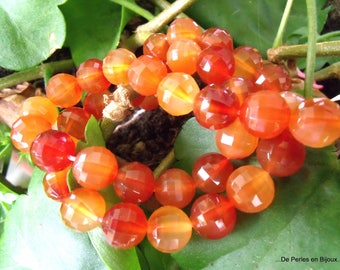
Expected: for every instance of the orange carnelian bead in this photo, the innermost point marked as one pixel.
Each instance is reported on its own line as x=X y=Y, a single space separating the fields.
x=149 y=103
x=25 y=129
x=250 y=189
x=63 y=90
x=95 y=167
x=116 y=64
x=240 y=86
x=216 y=36
x=292 y=99
x=145 y=73
x=83 y=209
x=124 y=225
x=211 y=171
x=176 y=93
x=91 y=78
x=316 y=122
x=235 y=142
x=169 y=229
x=247 y=61
x=40 y=106
x=265 y=114
x=183 y=28
x=213 y=216
x=175 y=187
x=156 y=45
x=94 y=104
x=73 y=121
x=182 y=56
x=55 y=184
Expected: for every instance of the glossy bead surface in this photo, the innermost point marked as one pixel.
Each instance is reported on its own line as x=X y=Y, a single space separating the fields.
x=281 y=156
x=134 y=183
x=292 y=99
x=183 y=28
x=25 y=129
x=53 y=150
x=216 y=36
x=176 y=93
x=240 y=86
x=235 y=142
x=169 y=229
x=145 y=73
x=247 y=61
x=94 y=104
x=124 y=225
x=63 y=90
x=175 y=187
x=265 y=114
x=83 y=209
x=95 y=167
x=213 y=216
x=250 y=189
x=149 y=103
x=156 y=45
x=215 y=107
x=316 y=122
x=211 y=171
x=55 y=185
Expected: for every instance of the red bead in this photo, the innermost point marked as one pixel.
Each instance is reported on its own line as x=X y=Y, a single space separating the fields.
x=216 y=36
x=55 y=185
x=53 y=150
x=94 y=104
x=134 y=183
x=175 y=187
x=216 y=107
x=156 y=45
x=240 y=86
x=215 y=65
x=183 y=28
x=95 y=167
x=149 y=103
x=213 y=216
x=247 y=61
x=124 y=225
x=211 y=171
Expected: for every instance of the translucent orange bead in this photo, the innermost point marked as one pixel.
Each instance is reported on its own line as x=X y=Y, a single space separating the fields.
x=247 y=61
x=156 y=45
x=183 y=28
x=175 y=187
x=216 y=36
x=265 y=114
x=240 y=86
x=55 y=185
x=182 y=56
x=83 y=210
x=116 y=64
x=63 y=90
x=250 y=189
x=145 y=73
x=149 y=103
x=95 y=167
x=25 y=129
x=316 y=122
x=176 y=93
x=40 y=106
x=169 y=229
x=235 y=142
x=94 y=104
x=292 y=99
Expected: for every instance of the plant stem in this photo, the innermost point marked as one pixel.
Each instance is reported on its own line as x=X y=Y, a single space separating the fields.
x=135 y=8
x=283 y=23
x=35 y=72
x=166 y=163
x=328 y=36
x=330 y=72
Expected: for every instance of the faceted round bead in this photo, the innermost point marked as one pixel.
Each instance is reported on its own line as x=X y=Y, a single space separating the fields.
x=95 y=167
x=149 y=103
x=215 y=65
x=235 y=142
x=213 y=216
x=247 y=61
x=124 y=225
x=40 y=106
x=91 y=78
x=211 y=171
x=116 y=65
x=63 y=90
x=156 y=45
x=55 y=184
x=169 y=229
x=145 y=73
x=175 y=187
x=250 y=189
x=73 y=121
x=292 y=99
x=176 y=93
x=265 y=114
x=183 y=28
x=83 y=210
x=135 y=182
x=53 y=150
x=25 y=129
x=281 y=156
x=316 y=122
x=240 y=86
x=94 y=104
x=216 y=107
x=216 y=36
x=182 y=56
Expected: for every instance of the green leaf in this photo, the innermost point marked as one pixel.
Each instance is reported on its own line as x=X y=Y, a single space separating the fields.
x=303 y=221
x=7 y=199
x=30 y=32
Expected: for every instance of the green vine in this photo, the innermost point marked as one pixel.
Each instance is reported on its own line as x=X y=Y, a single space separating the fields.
x=283 y=23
